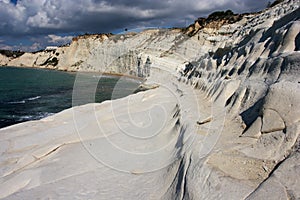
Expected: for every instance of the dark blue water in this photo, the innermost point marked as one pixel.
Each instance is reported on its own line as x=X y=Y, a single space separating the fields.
x=31 y=94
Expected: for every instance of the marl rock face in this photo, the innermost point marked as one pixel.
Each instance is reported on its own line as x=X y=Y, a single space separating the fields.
x=231 y=116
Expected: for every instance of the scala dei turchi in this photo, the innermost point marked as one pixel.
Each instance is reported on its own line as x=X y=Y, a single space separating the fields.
x=221 y=120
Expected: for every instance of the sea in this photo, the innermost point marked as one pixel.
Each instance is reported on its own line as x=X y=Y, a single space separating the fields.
x=31 y=94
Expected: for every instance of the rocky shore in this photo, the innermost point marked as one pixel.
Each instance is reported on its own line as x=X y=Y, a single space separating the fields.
x=221 y=118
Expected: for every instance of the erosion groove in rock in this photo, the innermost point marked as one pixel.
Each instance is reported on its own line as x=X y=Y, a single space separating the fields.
x=223 y=99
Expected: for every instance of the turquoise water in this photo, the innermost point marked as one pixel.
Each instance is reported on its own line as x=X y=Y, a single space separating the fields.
x=31 y=94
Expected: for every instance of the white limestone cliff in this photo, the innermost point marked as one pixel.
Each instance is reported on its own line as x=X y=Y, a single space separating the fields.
x=224 y=122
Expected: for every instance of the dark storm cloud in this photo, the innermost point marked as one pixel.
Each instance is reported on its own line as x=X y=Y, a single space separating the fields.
x=39 y=18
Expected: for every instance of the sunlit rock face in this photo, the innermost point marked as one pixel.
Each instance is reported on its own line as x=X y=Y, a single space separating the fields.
x=222 y=120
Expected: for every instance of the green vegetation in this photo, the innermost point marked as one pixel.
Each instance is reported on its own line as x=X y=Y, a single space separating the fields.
x=214 y=20
x=220 y=15
x=9 y=53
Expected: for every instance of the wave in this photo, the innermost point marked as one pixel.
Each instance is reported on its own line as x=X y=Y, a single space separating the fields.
x=36 y=116
x=17 y=102
x=33 y=98
x=24 y=100
x=26 y=117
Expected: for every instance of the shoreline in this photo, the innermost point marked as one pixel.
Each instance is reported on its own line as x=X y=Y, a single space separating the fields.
x=110 y=74
x=135 y=80
x=225 y=125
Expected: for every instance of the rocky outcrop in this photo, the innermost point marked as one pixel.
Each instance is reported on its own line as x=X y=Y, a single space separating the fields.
x=6 y=56
x=3 y=60
x=257 y=83
x=221 y=118
x=214 y=21
x=117 y=53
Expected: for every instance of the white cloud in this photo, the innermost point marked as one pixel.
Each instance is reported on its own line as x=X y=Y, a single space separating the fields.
x=40 y=18
x=34 y=47
x=56 y=39
x=30 y=16
x=7 y=47
x=5 y=1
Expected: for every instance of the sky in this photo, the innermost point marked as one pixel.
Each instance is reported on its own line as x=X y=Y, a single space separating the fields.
x=31 y=25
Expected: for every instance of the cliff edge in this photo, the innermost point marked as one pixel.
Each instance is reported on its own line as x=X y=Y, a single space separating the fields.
x=222 y=122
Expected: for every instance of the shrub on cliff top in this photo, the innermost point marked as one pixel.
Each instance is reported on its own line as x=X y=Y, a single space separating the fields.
x=220 y=15
x=10 y=53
